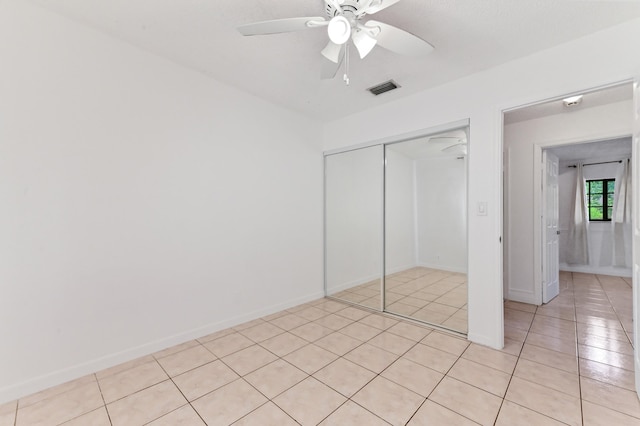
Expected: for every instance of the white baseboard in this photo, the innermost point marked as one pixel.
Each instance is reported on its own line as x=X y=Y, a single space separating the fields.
x=599 y=270
x=36 y=384
x=444 y=267
x=522 y=296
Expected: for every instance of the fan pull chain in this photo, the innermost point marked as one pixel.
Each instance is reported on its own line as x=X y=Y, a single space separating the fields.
x=345 y=77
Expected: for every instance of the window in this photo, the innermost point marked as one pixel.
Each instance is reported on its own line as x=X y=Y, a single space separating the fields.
x=600 y=199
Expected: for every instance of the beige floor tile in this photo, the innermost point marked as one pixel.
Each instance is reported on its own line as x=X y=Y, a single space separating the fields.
x=132 y=380
x=186 y=360
x=312 y=314
x=604 y=356
x=333 y=322
x=410 y=331
x=175 y=349
x=453 y=345
x=229 y=403
x=468 y=401
x=249 y=324
x=249 y=359
x=402 y=308
x=353 y=313
x=371 y=357
x=550 y=331
x=514 y=333
x=456 y=324
x=289 y=321
x=146 y=405
x=620 y=399
x=550 y=377
x=309 y=402
x=263 y=331
x=512 y=347
x=351 y=413
x=275 y=378
x=430 y=316
x=432 y=414
x=283 y=344
x=331 y=306
x=597 y=415
x=267 y=415
x=608 y=374
x=228 y=344
x=311 y=331
x=411 y=301
x=184 y=415
x=360 y=331
x=57 y=390
x=202 y=380
x=431 y=357
x=483 y=377
x=525 y=307
x=216 y=335
x=344 y=376
x=388 y=400
x=392 y=343
x=8 y=413
x=568 y=347
x=378 y=321
x=490 y=357
x=512 y=414
x=587 y=331
x=338 y=343
x=518 y=319
x=415 y=377
x=97 y=417
x=310 y=358
x=608 y=344
x=557 y=405
x=551 y=358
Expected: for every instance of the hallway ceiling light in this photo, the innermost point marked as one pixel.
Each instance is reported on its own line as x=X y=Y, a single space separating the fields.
x=572 y=101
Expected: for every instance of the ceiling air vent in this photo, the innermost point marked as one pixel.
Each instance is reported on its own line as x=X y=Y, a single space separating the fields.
x=383 y=87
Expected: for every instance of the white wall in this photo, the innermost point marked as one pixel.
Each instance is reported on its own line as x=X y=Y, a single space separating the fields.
x=600 y=235
x=583 y=125
x=481 y=98
x=141 y=204
x=442 y=213
x=400 y=221
x=353 y=182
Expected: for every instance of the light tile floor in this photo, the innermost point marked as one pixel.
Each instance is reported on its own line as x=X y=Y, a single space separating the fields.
x=431 y=295
x=568 y=362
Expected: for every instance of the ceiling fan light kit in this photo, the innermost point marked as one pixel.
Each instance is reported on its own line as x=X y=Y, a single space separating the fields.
x=344 y=23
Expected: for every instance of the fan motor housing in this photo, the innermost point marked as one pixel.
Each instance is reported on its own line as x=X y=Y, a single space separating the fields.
x=349 y=6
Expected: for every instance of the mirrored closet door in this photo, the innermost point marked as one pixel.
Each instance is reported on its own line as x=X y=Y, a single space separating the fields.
x=426 y=229
x=399 y=211
x=353 y=226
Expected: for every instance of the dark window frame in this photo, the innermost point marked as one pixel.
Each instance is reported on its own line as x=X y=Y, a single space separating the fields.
x=605 y=197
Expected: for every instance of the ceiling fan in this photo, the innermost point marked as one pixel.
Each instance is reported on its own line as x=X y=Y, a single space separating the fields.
x=345 y=21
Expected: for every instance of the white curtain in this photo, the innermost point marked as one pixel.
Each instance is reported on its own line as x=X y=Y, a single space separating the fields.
x=621 y=216
x=578 y=250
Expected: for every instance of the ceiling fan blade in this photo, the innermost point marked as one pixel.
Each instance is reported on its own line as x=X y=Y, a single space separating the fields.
x=378 y=5
x=333 y=52
x=363 y=42
x=397 y=40
x=282 y=25
x=329 y=69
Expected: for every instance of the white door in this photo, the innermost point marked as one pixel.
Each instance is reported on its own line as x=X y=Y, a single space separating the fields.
x=635 y=169
x=550 y=233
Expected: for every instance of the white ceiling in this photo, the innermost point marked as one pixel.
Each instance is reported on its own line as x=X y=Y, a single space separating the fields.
x=595 y=151
x=618 y=93
x=468 y=35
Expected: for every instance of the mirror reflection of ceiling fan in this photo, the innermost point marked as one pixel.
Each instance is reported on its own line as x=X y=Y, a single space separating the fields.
x=456 y=143
x=346 y=22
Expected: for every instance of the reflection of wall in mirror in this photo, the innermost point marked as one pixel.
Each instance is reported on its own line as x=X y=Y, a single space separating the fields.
x=442 y=213
x=353 y=218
